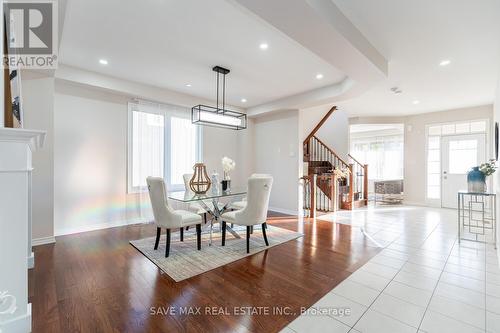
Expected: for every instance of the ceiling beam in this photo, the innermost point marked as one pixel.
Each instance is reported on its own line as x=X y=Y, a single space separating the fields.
x=320 y=26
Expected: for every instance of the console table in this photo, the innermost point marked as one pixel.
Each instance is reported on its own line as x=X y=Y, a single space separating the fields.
x=477 y=216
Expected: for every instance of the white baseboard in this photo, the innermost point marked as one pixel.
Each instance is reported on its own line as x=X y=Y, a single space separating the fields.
x=31 y=260
x=43 y=241
x=284 y=211
x=21 y=323
x=98 y=226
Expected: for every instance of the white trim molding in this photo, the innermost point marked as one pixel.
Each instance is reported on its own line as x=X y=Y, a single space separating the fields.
x=21 y=323
x=33 y=138
x=16 y=147
x=284 y=211
x=99 y=226
x=43 y=241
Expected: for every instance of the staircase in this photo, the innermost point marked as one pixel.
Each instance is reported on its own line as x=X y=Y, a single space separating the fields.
x=323 y=191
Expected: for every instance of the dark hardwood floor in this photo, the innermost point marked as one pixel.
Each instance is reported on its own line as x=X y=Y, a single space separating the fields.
x=97 y=282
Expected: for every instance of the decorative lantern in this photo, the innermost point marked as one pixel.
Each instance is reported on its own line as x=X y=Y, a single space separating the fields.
x=200 y=183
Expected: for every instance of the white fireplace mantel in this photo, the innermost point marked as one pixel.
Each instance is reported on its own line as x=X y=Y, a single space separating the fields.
x=16 y=148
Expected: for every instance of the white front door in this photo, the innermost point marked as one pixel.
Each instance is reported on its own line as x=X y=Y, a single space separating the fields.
x=459 y=153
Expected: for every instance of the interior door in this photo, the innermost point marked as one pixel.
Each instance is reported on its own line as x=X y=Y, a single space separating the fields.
x=459 y=153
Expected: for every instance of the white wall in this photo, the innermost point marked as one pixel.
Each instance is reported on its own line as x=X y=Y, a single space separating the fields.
x=277 y=153
x=414 y=173
x=2 y=115
x=237 y=145
x=38 y=106
x=334 y=132
x=496 y=179
x=91 y=158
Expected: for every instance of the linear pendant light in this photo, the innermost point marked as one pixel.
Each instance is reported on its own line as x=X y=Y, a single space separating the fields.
x=219 y=116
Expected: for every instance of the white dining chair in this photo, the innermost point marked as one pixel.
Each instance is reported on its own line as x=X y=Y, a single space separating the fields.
x=255 y=211
x=237 y=205
x=168 y=218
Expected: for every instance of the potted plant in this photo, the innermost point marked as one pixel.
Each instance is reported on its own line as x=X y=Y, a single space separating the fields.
x=228 y=165
x=476 y=178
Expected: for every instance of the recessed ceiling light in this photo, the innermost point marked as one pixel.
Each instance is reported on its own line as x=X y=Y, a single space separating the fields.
x=243 y=100
x=445 y=62
x=188 y=85
x=416 y=102
x=319 y=76
x=103 y=61
x=263 y=46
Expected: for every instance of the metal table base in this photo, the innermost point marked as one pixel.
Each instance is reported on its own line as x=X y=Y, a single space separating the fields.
x=216 y=214
x=482 y=205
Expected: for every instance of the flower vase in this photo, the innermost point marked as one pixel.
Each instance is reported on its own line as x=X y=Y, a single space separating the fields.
x=215 y=181
x=476 y=181
x=226 y=185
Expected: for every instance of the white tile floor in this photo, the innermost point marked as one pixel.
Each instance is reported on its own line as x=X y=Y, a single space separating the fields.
x=422 y=281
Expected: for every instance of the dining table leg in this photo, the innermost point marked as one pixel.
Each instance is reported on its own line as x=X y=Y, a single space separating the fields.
x=216 y=214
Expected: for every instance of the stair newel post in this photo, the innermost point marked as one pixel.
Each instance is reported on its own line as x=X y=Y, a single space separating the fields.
x=313 y=196
x=365 y=183
x=351 y=185
x=333 y=192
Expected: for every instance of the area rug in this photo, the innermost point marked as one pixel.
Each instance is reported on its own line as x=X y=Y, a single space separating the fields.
x=186 y=261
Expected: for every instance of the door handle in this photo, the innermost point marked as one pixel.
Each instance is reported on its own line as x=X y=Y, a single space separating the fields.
x=444 y=172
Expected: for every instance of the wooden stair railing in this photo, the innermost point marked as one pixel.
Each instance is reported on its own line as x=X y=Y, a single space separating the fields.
x=320 y=186
x=319 y=151
x=360 y=180
x=319 y=183
x=319 y=193
x=313 y=132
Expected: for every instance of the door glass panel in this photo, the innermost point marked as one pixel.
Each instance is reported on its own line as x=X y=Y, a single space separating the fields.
x=462 y=156
x=478 y=126
x=462 y=128
x=434 y=142
x=433 y=167
x=434 y=180
x=433 y=192
x=433 y=156
x=448 y=129
x=435 y=130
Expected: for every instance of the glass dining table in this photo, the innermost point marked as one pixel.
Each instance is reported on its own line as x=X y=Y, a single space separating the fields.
x=215 y=202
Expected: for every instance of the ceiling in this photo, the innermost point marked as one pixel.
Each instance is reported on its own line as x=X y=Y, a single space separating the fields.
x=415 y=36
x=170 y=44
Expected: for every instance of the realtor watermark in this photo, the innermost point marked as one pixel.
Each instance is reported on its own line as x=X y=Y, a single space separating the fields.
x=32 y=34
x=248 y=311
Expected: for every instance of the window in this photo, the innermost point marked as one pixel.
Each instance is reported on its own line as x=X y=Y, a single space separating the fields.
x=434 y=167
x=383 y=154
x=162 y=142
x=148 y=141
x=476 y=126
x=183 y=148
x=461 y=153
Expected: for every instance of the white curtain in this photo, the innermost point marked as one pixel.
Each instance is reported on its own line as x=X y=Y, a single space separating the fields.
x=163 y=143
x=147 y=153
x=183 y=149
